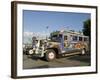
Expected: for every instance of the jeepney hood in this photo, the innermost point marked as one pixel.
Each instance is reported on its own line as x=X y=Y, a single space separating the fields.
x=54 y=44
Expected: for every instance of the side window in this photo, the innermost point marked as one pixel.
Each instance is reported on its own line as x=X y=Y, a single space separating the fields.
x=74 y=38
x=85 y=39
x=80 y=38
x=65 y=37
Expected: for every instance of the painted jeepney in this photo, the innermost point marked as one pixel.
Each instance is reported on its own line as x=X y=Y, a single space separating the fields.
x=60 y=44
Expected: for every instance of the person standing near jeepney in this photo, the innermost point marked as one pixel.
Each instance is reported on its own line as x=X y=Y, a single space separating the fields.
x=34 y=42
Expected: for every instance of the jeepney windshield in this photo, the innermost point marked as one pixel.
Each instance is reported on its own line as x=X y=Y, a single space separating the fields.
x=56 y=38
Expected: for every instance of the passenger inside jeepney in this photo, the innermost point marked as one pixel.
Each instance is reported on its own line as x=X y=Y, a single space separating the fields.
x=34 y=43
x=65 y=42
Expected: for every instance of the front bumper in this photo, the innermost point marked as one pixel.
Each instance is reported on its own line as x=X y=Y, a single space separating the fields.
x=38 y=52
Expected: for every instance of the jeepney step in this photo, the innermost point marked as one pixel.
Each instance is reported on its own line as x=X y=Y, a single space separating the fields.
x=68 y=54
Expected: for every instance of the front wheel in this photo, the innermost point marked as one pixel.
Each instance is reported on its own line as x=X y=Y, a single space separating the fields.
x=50 y=55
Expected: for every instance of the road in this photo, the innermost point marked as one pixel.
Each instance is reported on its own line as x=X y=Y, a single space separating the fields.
x=68 y=61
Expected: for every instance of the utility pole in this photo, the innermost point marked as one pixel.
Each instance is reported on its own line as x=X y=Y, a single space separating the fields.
x=47 y=32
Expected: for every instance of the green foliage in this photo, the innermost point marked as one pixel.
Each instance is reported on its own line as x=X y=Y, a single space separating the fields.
x=54 y=33
x=86 y=27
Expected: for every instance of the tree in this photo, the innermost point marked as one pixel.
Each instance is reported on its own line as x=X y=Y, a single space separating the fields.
x=86 y=27
x=54 y=33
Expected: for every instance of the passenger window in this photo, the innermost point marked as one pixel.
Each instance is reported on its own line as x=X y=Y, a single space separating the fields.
x=80 y=38
x=65 y=37
x=74 y=38
x=85 y=39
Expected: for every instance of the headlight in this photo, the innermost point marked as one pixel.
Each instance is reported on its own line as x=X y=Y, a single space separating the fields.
x=30 y=51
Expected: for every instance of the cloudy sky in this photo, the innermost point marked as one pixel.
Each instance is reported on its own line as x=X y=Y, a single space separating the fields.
x=44 y=22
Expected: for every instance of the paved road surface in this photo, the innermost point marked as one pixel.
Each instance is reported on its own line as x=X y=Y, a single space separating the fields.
x=68 y=61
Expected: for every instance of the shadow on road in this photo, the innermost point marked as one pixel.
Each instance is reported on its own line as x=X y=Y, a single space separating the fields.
x=33 y=57
x=82 y=58
x=39 y=67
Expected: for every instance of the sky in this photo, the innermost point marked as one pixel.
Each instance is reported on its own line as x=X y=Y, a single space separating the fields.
x=36 y=22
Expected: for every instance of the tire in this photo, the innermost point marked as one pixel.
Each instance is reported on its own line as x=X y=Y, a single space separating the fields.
x=83 y=51
x=50 y=55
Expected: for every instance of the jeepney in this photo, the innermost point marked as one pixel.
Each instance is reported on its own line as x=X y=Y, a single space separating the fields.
x=60 y=44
